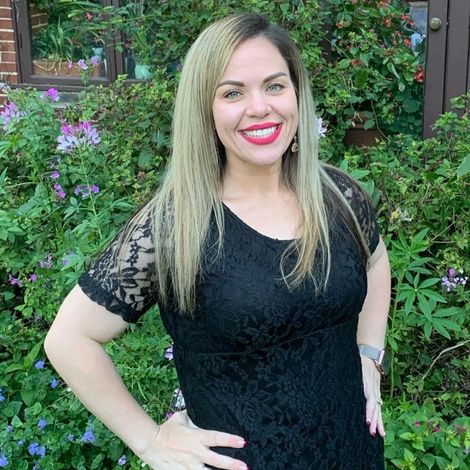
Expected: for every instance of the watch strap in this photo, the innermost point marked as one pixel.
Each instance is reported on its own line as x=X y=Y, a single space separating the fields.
x=378 y=355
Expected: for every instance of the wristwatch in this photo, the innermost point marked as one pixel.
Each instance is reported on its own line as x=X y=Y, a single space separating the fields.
x=379 y=356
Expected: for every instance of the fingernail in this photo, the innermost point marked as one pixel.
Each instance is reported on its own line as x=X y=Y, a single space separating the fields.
x=245 y=443
x=368 y=423
x=374 y=433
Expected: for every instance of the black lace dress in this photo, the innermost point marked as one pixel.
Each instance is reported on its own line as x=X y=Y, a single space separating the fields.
x=279 y=368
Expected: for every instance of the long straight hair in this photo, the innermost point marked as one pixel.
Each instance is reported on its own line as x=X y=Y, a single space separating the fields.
x=191 y=190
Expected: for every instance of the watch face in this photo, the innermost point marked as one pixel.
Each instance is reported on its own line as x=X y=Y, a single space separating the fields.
x=386 y=362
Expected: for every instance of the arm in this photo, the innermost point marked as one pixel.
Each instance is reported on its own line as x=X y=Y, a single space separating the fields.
x=374 y=314
x=371 y=330
x=74 y=347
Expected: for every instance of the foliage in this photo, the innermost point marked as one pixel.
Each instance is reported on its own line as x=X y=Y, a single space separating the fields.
x=371 y=63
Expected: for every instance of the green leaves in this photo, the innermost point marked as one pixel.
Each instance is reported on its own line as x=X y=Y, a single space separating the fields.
x=464 y=167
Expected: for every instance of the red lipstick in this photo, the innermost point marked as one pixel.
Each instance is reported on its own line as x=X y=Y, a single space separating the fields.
x=262 y=139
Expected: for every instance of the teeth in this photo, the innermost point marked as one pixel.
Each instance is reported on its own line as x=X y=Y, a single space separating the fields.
x=261 y=132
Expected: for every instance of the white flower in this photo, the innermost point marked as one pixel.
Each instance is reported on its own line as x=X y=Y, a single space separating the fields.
x=321 y=129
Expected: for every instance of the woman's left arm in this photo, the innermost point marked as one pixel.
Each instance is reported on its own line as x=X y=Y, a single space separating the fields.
x=371 y=330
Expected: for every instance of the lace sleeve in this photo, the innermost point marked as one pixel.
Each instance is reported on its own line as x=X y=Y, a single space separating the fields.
x=360 y=203
x=132 y=293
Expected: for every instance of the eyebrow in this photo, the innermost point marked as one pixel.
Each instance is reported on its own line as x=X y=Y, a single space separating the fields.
x=240 y=84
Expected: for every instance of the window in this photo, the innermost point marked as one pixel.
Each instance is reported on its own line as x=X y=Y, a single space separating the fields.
x=53 y=36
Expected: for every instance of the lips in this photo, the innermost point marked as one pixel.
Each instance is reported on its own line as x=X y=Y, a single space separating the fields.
x=262 y=134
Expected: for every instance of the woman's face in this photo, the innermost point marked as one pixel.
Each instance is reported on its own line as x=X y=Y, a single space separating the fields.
x=255 y=107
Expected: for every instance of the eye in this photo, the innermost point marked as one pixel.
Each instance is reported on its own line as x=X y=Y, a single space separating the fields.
x=232 y=94
x=276 y=87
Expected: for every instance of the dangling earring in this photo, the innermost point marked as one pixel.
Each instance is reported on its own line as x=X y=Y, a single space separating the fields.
x=295 y=145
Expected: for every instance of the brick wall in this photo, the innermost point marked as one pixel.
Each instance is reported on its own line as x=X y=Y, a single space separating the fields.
x=8 y=57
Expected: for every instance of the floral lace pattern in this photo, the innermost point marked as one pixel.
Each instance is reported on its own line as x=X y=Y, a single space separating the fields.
x=278 y=367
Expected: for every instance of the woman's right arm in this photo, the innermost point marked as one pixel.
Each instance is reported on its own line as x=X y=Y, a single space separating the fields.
x=74 y=346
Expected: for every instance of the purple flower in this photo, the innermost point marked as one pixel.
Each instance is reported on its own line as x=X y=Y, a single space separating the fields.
x=55 y=175
x=3 y=461
x=2 y=398
x=418 y=423
x=53 y=94
x=82 y=64
x=452 y=272
x=95 y=60
x=69 y=64
x=88 y=436
x=39 y=365
x=70 y=437
x=11 y=113
x=74 y=136
x=33 y=277
x=47 y=263
x=122 y=460
x=13 y=280
x=54 y=383
x=60 y=193
x=85 y=190
x=169 y=353
x=42 y=423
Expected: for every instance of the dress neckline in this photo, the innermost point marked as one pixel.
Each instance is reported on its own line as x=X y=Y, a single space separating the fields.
x=251 y=231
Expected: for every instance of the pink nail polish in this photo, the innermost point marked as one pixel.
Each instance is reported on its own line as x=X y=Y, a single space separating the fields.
x=368 y=423
x=374 y=433
x=245 y=445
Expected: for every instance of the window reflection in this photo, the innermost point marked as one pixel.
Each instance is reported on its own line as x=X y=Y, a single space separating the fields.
x=64 y=41
x=419 y=13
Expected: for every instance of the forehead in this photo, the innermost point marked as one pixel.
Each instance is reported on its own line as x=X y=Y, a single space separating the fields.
x=253 y=57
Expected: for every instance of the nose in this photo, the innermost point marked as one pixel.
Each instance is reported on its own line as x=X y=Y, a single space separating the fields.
x=258 y=105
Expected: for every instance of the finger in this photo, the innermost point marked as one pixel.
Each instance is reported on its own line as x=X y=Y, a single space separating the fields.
x=221 y=461
x=375 y=419
x=370 y=407
x=381 y=427
x=220 y=439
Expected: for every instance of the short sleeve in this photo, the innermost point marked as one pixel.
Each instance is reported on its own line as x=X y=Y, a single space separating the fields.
x=361 y=205
x=131 y=293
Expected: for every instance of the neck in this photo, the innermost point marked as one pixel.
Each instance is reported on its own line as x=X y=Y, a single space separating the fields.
x=257 y=182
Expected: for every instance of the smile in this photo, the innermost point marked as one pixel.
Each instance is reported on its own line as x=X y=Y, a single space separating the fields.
x=261 y=136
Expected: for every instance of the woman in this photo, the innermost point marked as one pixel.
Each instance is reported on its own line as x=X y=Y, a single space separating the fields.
x=257 y=256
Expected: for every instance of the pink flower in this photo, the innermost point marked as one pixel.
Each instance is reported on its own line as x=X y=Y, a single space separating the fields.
x=436 y=429
x=53 y=94
x=407 y=42
x=69 y=64
x=418 y=423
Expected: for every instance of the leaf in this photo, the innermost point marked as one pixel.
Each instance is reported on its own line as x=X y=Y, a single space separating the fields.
x=145 y=157
x=29 y=359
x=464 y=167
x=440 y=329
x=429 y=282
x=427 y=330
x=28 y=396
x=343 y=64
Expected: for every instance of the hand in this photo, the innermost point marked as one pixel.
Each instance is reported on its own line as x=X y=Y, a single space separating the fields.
x=371 y=381
x=181 y=445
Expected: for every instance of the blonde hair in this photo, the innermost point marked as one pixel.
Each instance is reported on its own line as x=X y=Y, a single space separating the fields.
x=190 y=193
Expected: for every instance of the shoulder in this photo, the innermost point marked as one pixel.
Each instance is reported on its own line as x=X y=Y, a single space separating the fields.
x=350 y=189
x=357 y=198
